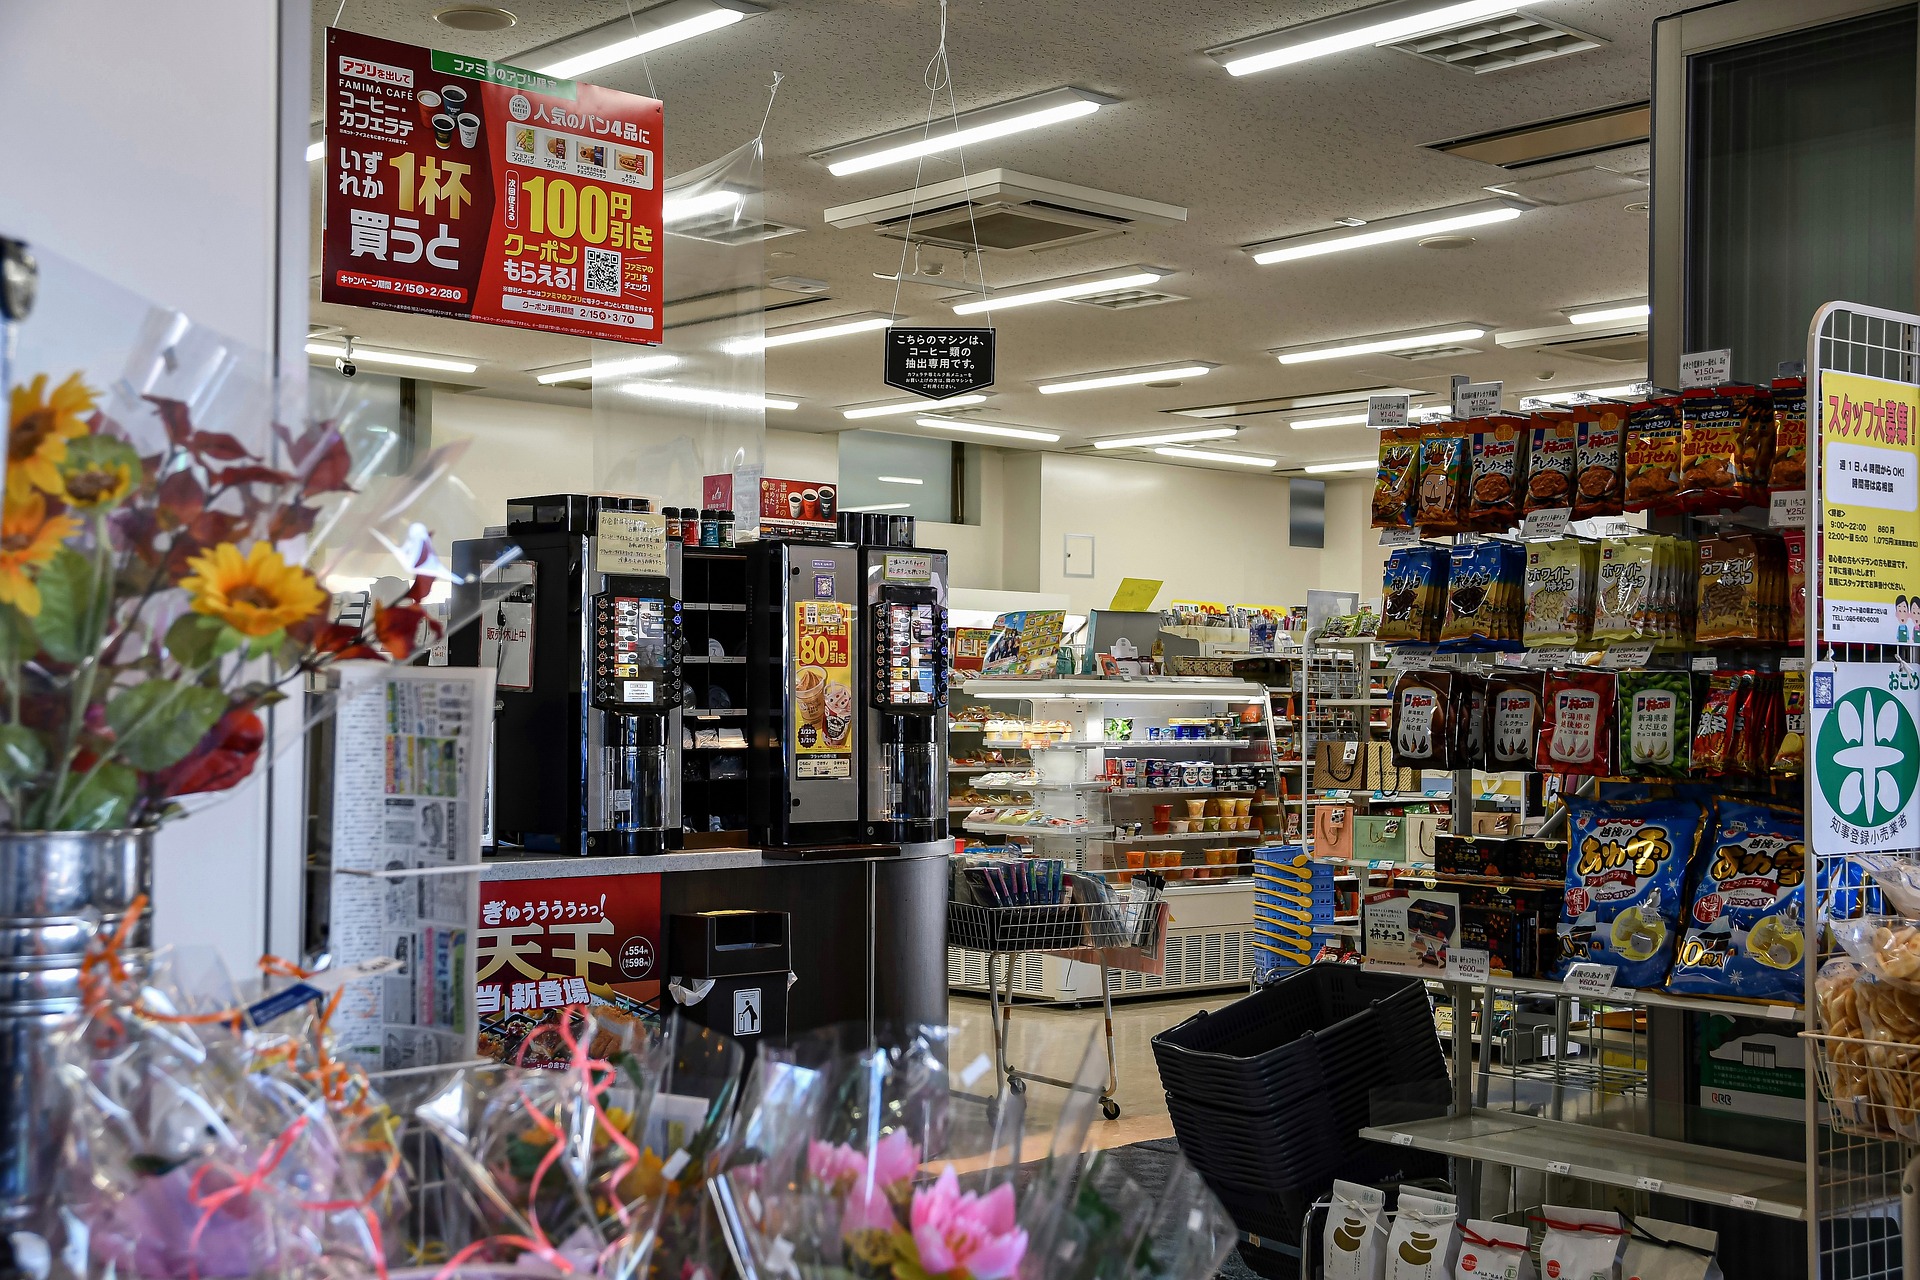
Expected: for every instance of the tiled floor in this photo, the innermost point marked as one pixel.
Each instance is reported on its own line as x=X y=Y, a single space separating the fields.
x=1052 y=1041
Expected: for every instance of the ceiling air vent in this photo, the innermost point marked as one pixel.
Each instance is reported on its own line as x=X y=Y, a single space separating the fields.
x=1495 y=44
x=1624 y=343
x=1585 y=134
x=1434 y=353
x=1126 y=299
x=1004 y=212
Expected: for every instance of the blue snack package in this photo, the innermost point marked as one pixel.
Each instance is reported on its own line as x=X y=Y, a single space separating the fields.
x=1626 y=872
x=1745 y=936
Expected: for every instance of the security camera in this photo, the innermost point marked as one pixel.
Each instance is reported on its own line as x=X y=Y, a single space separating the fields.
x=346 y=367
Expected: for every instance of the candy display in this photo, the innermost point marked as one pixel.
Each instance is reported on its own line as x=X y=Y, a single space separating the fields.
x=1446 y=461
x=1499 y=473
x=1395 y=482
x=1559 y=583
x=1653 y=456
x=1576 y=731
x=1744 y=932
x=1413 y=594
x=1626 y=870
x=1599 y=474
x=1484 y=597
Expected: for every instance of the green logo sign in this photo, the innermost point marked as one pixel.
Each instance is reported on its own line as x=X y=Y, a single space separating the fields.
x=1867 y=757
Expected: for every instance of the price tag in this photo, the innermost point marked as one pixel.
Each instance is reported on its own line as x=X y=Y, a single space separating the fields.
x=1788 y=509
x=1400 y=537
x=1605 y=527
x=1798 y=662
x=1469 y=965
x=1476 y=399
x=1402 y=1139
x=1621 y=656
x=1744 y=1202
x=1551 y=523
x=1590 y=979
x=1705 y=662
x=1653 y=1185
x=1559 y=1166
x=1408 y=656
x=1387 y=411
x=1545 y=659
x=1706 y=368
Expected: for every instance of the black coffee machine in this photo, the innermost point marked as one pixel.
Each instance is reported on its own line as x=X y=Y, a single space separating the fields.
x=584 y=629
x=904 y=693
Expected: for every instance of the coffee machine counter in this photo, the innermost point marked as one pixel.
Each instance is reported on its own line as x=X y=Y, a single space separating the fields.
x=904 y=676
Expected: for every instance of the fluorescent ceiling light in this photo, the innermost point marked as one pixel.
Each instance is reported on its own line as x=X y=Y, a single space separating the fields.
x=315 y=150
x=810 y=333
x=404 y=359
x=1127 y=378
x=988 y=429
x=981 y=125
x=610 y=369
x=1607 y=312
x=1167 y=437
x=1374 y=25
x=880 y=506
x=1077 y=287
x=910 y=406
x=899 y=479
x=1410 y=226
x=635 y=34
x=1202 y=455
x=1359 y=419
x=675 y=394
x=1375 y=346
x=1281 y=404
x=680 y=208
x=1328 y=468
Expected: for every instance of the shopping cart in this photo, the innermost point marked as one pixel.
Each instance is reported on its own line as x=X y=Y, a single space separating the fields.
x=1092 y=926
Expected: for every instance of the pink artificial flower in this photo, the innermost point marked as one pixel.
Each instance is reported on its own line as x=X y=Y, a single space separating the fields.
x=969 y=1235
x=896 y=1158
x=867 y=1209
x=835 y=1164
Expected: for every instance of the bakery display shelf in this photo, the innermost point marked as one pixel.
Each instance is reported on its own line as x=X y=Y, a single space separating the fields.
x=1030 y=829
x=1123 y=792
x=1705 y=1175
x=1175 y=837
x=979 y=768
x=1136 y=689
x=1616 y=996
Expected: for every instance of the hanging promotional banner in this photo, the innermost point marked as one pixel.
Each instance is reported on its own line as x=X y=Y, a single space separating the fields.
x=1864 y=755
x=823 y=689
x=938 y=363
x=471 y=189
x=1870 y=497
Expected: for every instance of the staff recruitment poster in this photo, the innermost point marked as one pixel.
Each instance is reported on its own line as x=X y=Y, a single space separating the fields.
x=1870 y=502
x=472 y=189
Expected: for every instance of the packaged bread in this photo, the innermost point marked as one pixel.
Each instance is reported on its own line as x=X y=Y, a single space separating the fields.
x=1789 y=469
x=1440 y=505
x=1553 y=452
x=1599 y=480
x=1394 y=482
x=1559 y=587
x=1499 y=472
x=1653 y=456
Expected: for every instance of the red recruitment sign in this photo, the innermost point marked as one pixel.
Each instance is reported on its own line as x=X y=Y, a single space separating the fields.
x=466 y=188
x=572 y=940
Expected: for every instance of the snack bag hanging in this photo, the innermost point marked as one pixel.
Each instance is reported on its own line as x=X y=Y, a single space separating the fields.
x=1626 y=867
x=1553 y=451
x=1789 y=469
x=1425 y=1239
x=1394 y=482
x=1796 y=544
x=1656 y=723
x=1514 y=713
x=1745 y=935
x=1355 y=1244
x=1558 y=586
x=1445 y=461
x=1413 y=593
x=1790 y=755
x=1499 y=472
x=1653 y=456
x=1422 y=727
x=1624 y=596
x=1599 y=486
x=1576 y=731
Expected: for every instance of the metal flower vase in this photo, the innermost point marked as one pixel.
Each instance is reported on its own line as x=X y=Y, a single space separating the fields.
x=58 y=891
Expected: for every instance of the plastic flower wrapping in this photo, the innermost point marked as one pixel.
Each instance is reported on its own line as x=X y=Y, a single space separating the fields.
x=873 y=1160
x=595 y=1165
x=215 y=1137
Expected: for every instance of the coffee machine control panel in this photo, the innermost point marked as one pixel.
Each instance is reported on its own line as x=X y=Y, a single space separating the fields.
x=909 y=651
x=638 y=643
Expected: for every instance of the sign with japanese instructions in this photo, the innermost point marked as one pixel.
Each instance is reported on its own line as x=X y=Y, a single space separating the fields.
x=1870 y=496
x=570 y=940
x=633 y=543
x=938 y=363
x=823 y=689
x=471 y=189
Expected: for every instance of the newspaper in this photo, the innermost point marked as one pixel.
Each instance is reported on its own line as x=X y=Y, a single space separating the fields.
x=411 y=746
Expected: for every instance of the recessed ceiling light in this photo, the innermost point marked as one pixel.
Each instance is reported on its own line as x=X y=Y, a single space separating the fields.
x=1411 y=226
x=475 y=17
x=811 y=332
x=1328 y=468
x=1409 y=341
x=635 y=34
x=1202 y=455
x=910 y=406
x=402 y=359
x=1374 y=25
x=1448 y=242
x=988 y=429
x=880 y=506
x=899 y=479
x=1018 y=116
x=673 y=393
x=606 y=369
x=1126 y=378
x=1608 y=312
x=1167 y=437
x=1060 y=290
x=677 y=208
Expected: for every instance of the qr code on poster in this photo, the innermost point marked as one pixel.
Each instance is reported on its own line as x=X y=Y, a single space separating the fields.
x=603 y=272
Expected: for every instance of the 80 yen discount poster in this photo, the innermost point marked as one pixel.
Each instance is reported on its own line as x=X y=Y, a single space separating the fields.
x=471 y=189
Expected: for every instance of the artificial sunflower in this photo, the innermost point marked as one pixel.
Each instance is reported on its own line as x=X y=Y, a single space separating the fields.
x=29 y=537
x=40 y=427
x=98 y=472
x=256 y=594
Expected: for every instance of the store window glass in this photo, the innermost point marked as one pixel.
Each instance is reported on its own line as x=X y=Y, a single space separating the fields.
x=908 y=475
x=1800 y=184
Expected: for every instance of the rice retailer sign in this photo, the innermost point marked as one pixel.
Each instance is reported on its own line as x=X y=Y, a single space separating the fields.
x=1865 y=757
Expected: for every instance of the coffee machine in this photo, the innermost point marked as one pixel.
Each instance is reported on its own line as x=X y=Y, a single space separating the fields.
x=904 y=693
x=584 y=627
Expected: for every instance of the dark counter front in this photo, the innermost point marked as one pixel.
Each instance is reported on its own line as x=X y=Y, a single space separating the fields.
x=868 y=934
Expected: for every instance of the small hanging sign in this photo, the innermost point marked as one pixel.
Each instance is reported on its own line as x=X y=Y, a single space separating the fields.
x=938 y=363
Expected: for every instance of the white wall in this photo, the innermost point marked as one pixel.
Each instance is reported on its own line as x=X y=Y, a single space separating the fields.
x=143 y=140
x=515 y=449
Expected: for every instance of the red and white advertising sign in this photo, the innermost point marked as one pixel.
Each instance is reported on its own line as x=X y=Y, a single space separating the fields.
x=466 y=188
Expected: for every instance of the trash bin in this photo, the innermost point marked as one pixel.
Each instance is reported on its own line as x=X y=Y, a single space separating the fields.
x=746 y=957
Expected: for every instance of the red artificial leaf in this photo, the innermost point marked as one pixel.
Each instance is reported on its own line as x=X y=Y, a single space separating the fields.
x=291 y=521
x=251 y=474
x=422 y=584
x=326 y=470
x=210 y=528
x=337 y=643
x=174 y=415
x=397 y=626
x=223 y=758
x=181 y=498
x=219 y=446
